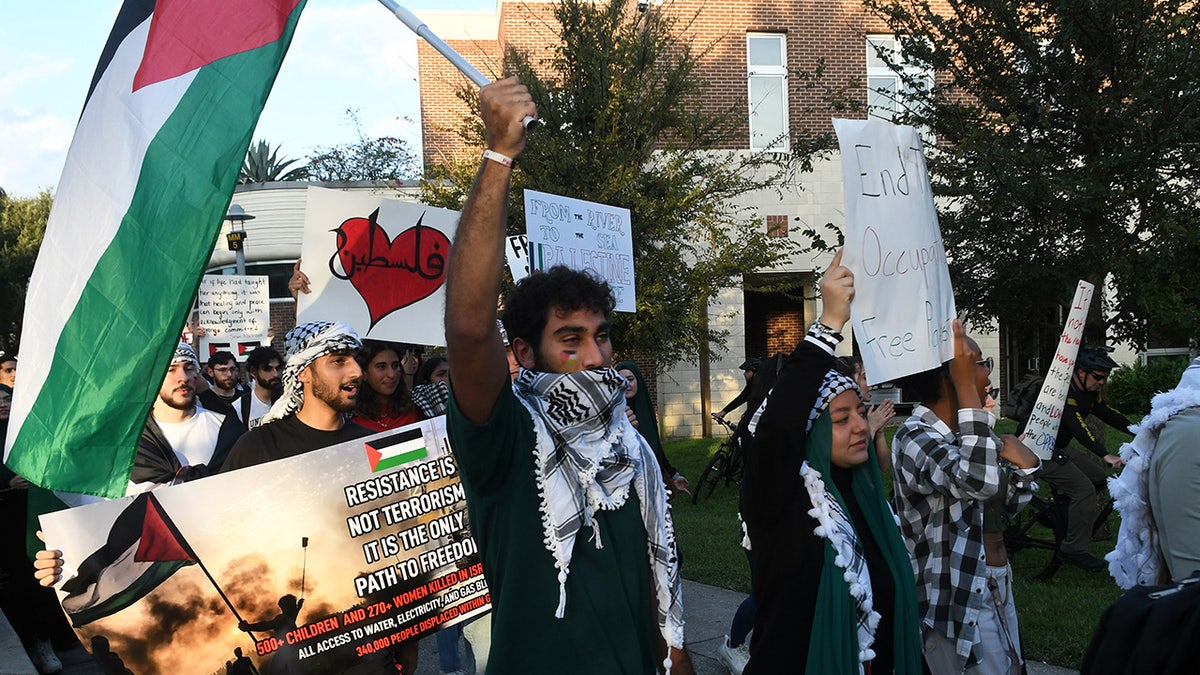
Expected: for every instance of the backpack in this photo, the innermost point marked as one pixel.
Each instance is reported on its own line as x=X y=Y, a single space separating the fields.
x=1021 y=399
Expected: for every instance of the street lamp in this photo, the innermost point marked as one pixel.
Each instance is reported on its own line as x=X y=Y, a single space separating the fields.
x=236 y=238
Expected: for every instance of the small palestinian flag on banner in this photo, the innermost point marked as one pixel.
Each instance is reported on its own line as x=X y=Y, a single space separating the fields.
x=390 y=452
x=143 y=550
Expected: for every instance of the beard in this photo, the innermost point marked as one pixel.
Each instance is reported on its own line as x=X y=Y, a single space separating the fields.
x=180 y=398
x=273 y=385
x=334 y=395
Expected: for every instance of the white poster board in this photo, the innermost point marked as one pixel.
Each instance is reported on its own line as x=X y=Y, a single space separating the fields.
x=517 y=254
x=903 y=306
x=1047 y=413
x=235 y=313
x=583 y=236
x=378 y=264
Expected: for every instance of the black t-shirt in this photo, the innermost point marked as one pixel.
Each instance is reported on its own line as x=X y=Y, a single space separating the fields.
x=211 y=400
x=283 y=438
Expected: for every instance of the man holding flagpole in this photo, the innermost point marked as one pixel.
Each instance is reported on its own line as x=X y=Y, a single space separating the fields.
x=552 y=454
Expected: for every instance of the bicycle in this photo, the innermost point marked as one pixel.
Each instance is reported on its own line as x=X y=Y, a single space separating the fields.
x=726 y=464
x=1051 y=514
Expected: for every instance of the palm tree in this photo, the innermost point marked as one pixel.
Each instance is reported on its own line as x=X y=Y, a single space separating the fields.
x=263 y=165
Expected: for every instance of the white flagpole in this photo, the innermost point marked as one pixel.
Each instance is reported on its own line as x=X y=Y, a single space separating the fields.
x=409 y=19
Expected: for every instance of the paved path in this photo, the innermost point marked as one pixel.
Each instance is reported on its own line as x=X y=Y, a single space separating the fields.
x=707 y=611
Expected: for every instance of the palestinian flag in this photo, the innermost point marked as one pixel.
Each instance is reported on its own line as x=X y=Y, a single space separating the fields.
x=149 y=175
x=390 y=452
x=142 y=551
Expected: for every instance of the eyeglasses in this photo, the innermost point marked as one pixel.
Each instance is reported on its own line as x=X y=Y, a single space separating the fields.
x=986 y=363
x=1099 y=377
x=994 y=392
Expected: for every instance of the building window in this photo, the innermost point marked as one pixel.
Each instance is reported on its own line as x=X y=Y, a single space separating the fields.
x=777 y=226
x=766 y=71
x=887 y=93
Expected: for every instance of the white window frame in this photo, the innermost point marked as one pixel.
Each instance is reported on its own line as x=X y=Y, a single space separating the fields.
x=778 y=142
x=880 y=71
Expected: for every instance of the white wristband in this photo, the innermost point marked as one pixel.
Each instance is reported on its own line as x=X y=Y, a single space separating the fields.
x=498 y=158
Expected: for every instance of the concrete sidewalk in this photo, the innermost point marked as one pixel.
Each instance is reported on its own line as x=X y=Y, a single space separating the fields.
x=707 y=611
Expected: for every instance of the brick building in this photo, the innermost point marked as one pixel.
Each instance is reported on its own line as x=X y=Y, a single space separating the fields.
x=755 y=46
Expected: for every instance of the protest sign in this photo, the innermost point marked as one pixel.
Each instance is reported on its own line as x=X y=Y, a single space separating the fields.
x=377 y=264
x=1047 y=413
x=583 y=236
x=372 y=534
x=517 y=254
x=903 y=306
x=235 y=312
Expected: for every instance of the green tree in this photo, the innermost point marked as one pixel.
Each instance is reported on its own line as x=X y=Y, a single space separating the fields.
x=22 y=226
x=1066 y=138
x=383 y=158
x=264 y=165
x=621 y=101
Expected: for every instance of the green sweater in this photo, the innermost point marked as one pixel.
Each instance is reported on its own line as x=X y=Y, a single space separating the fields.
x=608 y=627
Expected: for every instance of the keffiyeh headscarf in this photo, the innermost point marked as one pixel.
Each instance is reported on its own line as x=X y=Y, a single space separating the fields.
x=586 y=458
x=844 y=588
x=1137 y=559
x=307 y=343
x=185 y=354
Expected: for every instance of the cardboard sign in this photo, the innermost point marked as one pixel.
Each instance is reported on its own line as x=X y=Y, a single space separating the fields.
x=583 y=236
x=235 y=312
x=903 y=306
x=372 y=534
x=1047 y=413
x=376 y=263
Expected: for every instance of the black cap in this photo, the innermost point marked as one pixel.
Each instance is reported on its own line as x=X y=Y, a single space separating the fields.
x=5 y=356
x=751 y=363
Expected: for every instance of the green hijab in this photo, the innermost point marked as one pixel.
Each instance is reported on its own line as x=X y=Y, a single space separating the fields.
x=643 y=408
x=833 y=645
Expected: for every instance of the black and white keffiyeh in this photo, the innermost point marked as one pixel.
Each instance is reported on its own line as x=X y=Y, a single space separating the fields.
x=307 y=343
x=586 y=457
x=834 y=384
x=834 y=525
x=1137 y=559
x=185 y=354
x=432 y=398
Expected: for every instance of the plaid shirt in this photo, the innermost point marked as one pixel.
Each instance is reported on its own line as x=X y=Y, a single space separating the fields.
x=942 y=481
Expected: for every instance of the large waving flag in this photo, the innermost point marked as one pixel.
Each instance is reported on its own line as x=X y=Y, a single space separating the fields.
x=148 y=177
x=143 y=550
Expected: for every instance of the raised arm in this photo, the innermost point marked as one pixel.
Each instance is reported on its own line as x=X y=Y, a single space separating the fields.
x=478 y=366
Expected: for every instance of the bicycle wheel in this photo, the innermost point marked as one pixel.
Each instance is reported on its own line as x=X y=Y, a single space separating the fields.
x=711 y=475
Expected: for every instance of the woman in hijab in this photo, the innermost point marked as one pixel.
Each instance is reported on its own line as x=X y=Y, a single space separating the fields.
x=833 y=580
x=637 y=399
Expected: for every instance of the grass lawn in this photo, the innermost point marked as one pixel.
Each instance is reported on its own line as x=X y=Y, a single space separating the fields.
x=1057 y=617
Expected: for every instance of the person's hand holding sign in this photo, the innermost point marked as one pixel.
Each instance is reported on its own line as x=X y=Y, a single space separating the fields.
x=964 y=369
x=837 y=290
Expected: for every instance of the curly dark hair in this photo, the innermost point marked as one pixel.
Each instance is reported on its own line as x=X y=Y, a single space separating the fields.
x=527 y=308
x=368 y=403
x=260 y=357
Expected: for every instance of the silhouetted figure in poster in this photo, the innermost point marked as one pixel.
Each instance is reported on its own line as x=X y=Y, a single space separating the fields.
x=286 y=655
x=241 y=665
x=109 y=661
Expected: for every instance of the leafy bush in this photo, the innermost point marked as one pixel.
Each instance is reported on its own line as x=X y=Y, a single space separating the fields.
x=1131 y=388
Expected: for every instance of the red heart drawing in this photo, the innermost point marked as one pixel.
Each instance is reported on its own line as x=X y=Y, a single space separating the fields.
x=389 y=275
